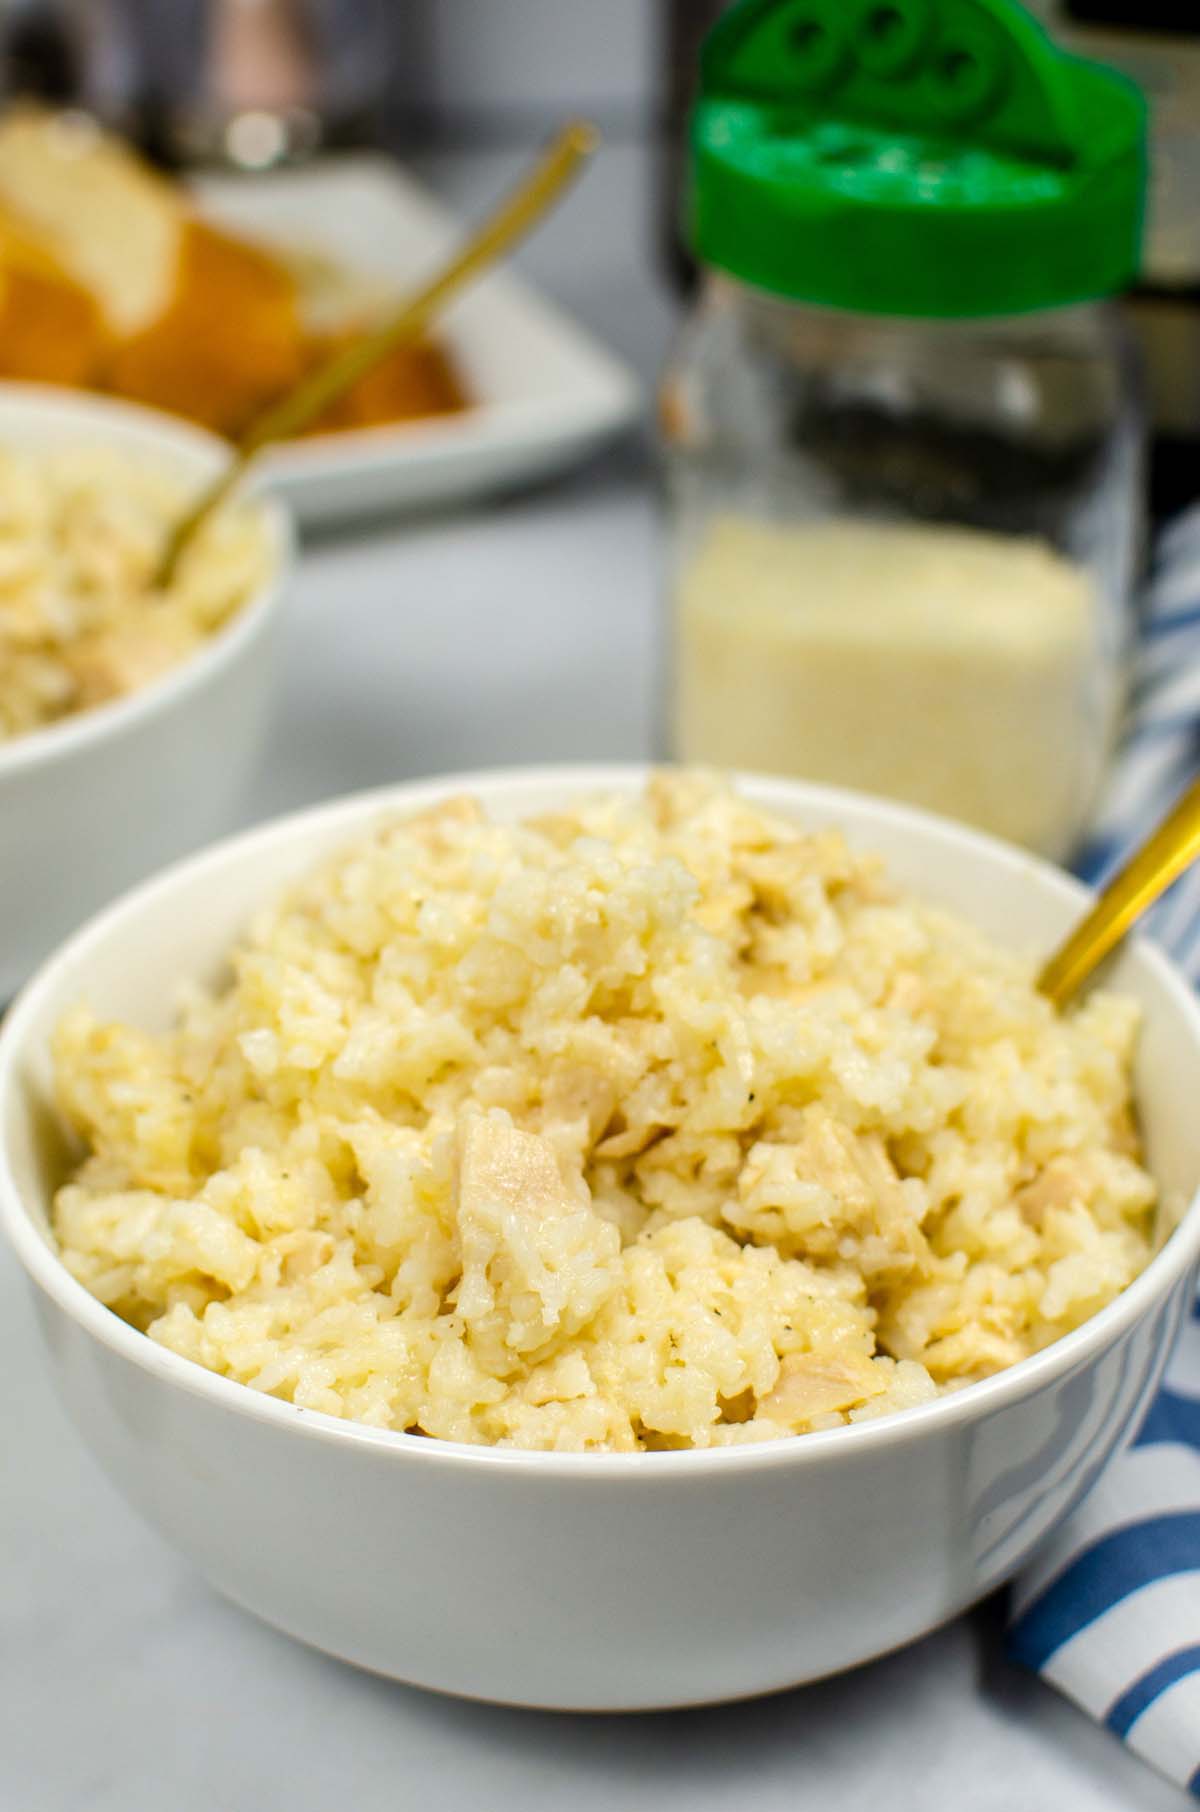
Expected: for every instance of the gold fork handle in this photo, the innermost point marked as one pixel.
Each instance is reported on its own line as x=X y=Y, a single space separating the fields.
x=1173 y=848
x=313 y=394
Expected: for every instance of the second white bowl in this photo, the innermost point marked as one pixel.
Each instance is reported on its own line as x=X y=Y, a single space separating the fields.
x=90 y=804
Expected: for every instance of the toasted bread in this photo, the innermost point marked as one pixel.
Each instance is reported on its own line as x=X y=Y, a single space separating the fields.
x=111 y=222
x=228 y=341
x=109 y=277
x=52 y=330
x=410 y=382
x=199 y=321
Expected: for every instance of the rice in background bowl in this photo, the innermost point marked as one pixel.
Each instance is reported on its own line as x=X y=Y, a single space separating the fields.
x=94 y=799
x=594 y=1581
x=652 y=1123
x=82 y=529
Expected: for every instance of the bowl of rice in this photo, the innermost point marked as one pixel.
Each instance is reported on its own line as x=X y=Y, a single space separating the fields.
x=602 y=1239
x=129 y=714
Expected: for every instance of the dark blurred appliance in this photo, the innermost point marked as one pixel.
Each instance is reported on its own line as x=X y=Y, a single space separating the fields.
x=1157 y=42
x=40 y=51
x=683 y=26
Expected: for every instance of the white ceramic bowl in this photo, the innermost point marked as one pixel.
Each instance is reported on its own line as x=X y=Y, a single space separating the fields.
x=573 y=1580
x=92 y=803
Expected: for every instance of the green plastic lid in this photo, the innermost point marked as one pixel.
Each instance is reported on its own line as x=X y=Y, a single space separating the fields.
x=914 y=157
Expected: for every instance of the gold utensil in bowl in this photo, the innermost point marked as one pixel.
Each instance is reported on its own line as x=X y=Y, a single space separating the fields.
x=509 y=222
x=1148 y=873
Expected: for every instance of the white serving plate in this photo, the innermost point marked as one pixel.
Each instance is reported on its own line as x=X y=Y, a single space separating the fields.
x=548 y=393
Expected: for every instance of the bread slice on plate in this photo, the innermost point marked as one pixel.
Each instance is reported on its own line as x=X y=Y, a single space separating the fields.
x=52 y=329
x=196 y=320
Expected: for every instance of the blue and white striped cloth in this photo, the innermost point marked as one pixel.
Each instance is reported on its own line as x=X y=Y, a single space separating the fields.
x=1109 y=1610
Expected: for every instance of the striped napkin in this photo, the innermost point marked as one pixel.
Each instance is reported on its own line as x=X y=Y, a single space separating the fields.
x=1109 y=1610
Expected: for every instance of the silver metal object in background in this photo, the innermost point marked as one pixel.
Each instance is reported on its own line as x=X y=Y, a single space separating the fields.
x=250 y=84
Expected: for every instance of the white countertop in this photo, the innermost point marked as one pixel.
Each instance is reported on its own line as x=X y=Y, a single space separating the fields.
x=520 y=632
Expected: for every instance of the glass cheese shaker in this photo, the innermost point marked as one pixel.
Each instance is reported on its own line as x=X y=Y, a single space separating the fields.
x=901 y=428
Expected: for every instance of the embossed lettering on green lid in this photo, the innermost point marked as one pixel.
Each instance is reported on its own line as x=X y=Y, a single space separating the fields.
x=914 y=157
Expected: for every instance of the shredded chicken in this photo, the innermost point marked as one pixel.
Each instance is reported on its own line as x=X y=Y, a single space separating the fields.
x=812 y=1384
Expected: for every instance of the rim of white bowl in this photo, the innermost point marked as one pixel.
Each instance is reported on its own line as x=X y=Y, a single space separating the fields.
x=66 y=736
x=1179 y=1252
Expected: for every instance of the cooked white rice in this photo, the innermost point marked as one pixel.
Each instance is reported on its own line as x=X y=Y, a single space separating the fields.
x=654 y=1123
x=81 y=531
